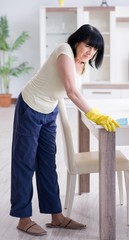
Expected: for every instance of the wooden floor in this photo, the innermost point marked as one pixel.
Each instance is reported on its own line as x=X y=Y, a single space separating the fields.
x=85 y=208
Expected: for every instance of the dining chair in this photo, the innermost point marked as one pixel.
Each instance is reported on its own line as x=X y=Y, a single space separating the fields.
x=86 y=163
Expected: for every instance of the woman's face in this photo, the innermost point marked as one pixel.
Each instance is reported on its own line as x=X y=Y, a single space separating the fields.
x=84 y=52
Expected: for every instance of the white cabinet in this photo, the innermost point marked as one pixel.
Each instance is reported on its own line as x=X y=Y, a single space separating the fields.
x=122 y=44
x=56 y=25
x=105 y=91
x=101 y=93
x=103 y=18
x=113 y=23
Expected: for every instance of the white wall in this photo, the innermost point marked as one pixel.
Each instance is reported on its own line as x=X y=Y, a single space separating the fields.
x=24 y=16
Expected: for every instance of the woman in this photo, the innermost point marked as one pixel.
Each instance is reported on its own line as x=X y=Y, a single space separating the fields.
x=34 y=132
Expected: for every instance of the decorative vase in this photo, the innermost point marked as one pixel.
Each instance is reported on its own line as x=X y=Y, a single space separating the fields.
x=61 y=3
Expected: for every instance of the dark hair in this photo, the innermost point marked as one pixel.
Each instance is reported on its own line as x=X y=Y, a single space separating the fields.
x=92 y=36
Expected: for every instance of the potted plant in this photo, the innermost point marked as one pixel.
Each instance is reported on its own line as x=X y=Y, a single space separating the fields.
x=9 y=66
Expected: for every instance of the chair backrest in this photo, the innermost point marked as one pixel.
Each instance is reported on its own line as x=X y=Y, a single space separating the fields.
x=67 y=135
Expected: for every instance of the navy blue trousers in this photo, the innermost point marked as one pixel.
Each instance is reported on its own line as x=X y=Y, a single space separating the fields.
x=34 y=151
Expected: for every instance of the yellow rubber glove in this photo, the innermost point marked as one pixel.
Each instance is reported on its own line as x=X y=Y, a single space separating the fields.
x=107 y=122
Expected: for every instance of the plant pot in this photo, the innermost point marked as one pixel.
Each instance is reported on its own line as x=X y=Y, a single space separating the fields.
x=5 y=100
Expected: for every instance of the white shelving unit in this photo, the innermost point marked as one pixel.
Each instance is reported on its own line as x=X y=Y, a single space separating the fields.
x=122 y=44
x=103 y=18
x=111 y=81
x=56 y=24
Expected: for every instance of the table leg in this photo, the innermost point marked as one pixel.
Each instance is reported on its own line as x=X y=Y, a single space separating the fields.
x=84 y=143
x=107 y=185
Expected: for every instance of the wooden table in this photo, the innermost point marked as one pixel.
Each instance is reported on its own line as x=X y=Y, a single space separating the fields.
x=107 y=142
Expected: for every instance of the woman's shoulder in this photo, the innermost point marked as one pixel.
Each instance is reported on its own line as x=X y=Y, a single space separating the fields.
x=64 y=46
x=65 y=49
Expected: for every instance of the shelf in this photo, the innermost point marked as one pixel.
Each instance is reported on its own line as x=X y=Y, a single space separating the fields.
x=61 y=9
x=107 y=85
x=99 y=8
x=122 y=19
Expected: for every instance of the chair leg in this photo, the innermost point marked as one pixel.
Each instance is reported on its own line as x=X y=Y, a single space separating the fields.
x=127 y=191
x=120 y=186
x=67 y=191
x=71 y=194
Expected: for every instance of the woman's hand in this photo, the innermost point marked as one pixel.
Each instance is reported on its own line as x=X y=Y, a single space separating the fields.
x=107 y=122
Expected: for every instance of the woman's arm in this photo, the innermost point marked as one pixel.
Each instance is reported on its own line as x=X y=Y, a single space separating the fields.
x=66 y=71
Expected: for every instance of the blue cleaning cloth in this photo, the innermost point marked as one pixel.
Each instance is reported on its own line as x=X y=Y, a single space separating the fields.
x=122 y=121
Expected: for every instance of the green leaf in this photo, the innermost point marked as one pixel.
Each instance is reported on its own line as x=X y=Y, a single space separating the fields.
x=4 y=33
x=20 y=41
x=4 y=28
x=21 y=69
